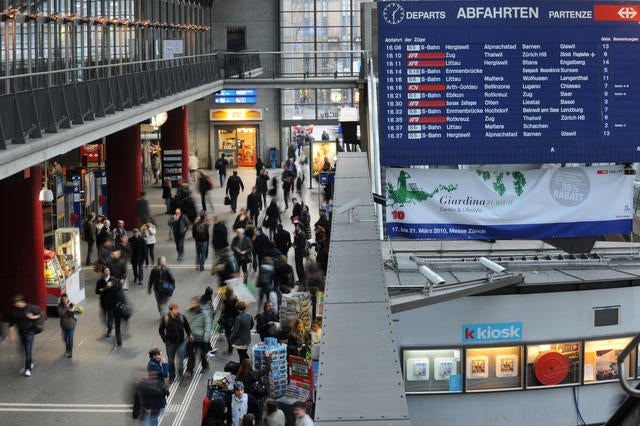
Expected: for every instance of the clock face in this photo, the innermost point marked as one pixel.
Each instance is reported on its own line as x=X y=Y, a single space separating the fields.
x=393 y=13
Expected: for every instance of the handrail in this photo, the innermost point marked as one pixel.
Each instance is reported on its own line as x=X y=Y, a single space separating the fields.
x=622 y=356
x=96 y=67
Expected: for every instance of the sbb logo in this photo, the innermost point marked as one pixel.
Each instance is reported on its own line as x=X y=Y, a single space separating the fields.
x=506 y=331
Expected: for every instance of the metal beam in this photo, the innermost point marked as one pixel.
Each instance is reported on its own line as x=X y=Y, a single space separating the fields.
x=420 y=300
x=295 y=83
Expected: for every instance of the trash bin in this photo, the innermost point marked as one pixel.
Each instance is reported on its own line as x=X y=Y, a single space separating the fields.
x=273 y=157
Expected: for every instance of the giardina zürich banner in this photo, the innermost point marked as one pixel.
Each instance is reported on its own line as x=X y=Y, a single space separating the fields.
x=487 y=204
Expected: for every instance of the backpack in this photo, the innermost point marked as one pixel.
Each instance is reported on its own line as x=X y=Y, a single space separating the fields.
x=199 y=231
x=219 y=164
x=209 y=182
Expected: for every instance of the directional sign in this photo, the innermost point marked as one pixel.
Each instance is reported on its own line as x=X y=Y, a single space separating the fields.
x=471 y=82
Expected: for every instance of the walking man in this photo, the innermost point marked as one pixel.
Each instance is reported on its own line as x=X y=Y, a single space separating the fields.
x=254 y=205
x=22 y=320
x=89 y=233
x=138 y=255
x=174 y=331
x=179 y=225
x=204 y=185
x=300 y=250
x=201 y=323
x=234 y=186
x=262 y=183
x=282 y=240
x=162 y=283
x=201 y=237
x=221 y=167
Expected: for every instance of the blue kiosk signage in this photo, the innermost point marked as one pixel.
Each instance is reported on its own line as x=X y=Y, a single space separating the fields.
x=505 y=82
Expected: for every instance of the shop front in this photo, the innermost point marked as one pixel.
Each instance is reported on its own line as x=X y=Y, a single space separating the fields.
x=236 y=134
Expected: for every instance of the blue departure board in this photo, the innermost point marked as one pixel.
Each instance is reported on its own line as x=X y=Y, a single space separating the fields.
x=235 y=96
x=465 y=82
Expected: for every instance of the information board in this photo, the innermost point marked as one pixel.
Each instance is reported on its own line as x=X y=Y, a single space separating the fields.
x=236 y=96
x=504 y=82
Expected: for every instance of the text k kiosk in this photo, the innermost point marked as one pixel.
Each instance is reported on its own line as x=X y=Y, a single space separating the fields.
x=496 y=332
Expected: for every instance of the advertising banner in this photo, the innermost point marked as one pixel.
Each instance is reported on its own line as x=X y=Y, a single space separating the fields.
x=484 y=204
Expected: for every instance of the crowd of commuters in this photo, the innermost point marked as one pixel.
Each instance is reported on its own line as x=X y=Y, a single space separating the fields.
x=256 y=246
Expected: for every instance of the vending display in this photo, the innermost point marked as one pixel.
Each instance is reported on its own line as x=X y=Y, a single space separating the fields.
x=433 y=370
x=278 y=377
x=553 y=364
x=53 y=274
x=494 y=368
x=68 y=249
x=296 y=306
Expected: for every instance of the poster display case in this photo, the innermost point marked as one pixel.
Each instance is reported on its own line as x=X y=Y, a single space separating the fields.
x=601 y=359
x=432 y=370
x=68 y=253
x=494 y=368
x=553 y=364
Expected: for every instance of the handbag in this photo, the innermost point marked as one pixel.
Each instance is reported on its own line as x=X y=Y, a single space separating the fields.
x=165 y=288
x=227 y=200
x=125 y=310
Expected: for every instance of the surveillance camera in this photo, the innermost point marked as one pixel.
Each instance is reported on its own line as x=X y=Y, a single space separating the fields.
x=431 y=276
x=348 y=206
x=492 y=266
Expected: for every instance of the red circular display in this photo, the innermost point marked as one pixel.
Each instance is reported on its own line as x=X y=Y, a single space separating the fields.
x=551 y=368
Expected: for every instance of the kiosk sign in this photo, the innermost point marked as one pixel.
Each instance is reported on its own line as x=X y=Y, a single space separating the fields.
x=484 y=82
x=495 y=332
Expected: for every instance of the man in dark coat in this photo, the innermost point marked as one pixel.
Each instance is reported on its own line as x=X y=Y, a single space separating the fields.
x=262 y=182
x=203 y=188
x=118 y=267
x=219 y=236
x=142 y=209
x=254 y=205
x=221 y=167
x=89 y=234
x=300 y=248
x=138 y=255
x=282 y=239
x=179 y=225
x=324 y=222
x=234 y=186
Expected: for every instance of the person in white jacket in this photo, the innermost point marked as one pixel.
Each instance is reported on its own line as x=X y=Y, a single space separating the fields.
x=148 y=231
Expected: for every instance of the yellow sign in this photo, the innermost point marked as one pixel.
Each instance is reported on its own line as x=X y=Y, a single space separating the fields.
x=235 y=114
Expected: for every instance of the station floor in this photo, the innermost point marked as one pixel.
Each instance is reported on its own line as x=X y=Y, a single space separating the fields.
x=94 y=387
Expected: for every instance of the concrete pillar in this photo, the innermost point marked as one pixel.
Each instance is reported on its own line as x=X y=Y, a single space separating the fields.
x=175 y=136
x=124 y=175
x=21 y=260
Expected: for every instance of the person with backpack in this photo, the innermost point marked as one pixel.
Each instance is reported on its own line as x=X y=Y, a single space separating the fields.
x=221 y=166
x=27 y=321
x=174 y=331
x=163 y=284
x=200 y=232
x=219 y=236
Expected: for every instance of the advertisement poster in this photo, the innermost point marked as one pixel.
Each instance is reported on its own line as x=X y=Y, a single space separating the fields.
x=172 y=164
x=301 y=373
x=484 y=204
x=320 y=150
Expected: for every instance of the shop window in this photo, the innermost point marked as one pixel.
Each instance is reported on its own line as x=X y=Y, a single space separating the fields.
x=433 y=370
x=553 y=364
x=493 y=368
x=601 y=359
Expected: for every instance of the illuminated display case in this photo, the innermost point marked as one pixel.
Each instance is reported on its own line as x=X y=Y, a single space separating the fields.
x=496 y=368
x=553 y=364
x=53 y=275
x=600 y=359
x=433 y=370
x=68 y=249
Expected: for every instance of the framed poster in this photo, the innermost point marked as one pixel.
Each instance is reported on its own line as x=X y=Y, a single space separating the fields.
x=443 y=368
x=418 y=369
x=477 y=367
x=506 y=366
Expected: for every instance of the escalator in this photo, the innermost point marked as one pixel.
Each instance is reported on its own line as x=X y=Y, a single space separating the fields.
x=628 y=413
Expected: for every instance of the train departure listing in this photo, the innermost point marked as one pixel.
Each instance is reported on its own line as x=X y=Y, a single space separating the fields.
x=476 y=82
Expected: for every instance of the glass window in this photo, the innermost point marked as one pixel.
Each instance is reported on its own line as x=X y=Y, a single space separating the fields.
x=433 y=370
x=553 y=364
x=494 y=368
x=600 y=359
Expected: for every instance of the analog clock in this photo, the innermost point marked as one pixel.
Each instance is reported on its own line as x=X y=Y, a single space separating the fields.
x=393 y=13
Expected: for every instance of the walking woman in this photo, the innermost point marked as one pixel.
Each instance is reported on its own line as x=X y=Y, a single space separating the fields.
x=67 y=323
x=272 y=218
x=241 y=336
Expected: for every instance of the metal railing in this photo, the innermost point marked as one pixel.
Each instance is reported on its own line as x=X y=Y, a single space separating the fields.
x=44 y=102
x=622 y=356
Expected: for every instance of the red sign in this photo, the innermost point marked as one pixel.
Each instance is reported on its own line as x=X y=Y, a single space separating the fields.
x=622 y=12
x=91 y=151
x=301 y=373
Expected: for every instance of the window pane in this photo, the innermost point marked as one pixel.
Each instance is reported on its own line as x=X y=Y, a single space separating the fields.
x=494 y=368
x=553 y=364
x=435 y=370
x=600 y=359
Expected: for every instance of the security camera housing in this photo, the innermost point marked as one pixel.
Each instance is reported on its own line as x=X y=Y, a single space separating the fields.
x=348 y=206
x=492 y=266
x=431 y=276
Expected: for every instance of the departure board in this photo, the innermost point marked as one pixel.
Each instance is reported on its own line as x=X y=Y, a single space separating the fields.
x=500 y=82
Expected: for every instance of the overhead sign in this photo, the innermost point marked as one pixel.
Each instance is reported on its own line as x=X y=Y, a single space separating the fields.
x=235 y=114
x=484 y=82
x=235 y=96
x=496 y=332
x=484 y=204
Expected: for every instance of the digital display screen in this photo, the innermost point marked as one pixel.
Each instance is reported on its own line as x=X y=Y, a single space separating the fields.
x=503 y=82
x=236 y=96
